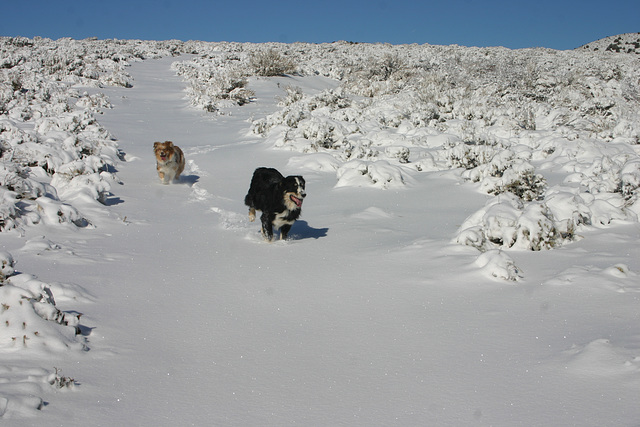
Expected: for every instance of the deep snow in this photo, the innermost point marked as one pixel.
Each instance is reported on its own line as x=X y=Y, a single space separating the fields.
x=372 y=314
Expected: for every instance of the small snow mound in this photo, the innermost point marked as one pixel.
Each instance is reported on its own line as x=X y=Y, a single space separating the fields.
x=601 y=358
x=614 y=278
x=496 y=264
x=372 y=213
x=40 y=245
x=18 y=402
x=619 y=270
x=20 y=390
x=361 y=173
x=321 y=162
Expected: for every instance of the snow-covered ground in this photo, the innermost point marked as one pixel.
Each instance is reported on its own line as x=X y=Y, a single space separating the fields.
x=621 y=43
x=467 y=255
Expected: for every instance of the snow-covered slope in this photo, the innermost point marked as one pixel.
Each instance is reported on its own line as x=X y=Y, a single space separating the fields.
x=622 y=43
x=468 y=251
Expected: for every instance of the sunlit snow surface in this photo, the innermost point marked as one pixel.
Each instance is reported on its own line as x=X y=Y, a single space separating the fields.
x=467 y=254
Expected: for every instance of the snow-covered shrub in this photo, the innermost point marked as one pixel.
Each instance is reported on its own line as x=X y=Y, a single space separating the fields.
x=360 y=173
x=270 y=62
x=30 y=320
x=212 y=81
x=58 y=381
x=53 y=212
x=293 y=94
x=630 y=178
x=86 y=187
x=508 y=222
x=497 y=168
x=6 y=266
x=400 y=153
x=605 y=208
x=380 y=74
x=95 y=102
x=513 y=175
x=16 y=178
x=468 y=156
x=8 y=209
x=570 y=210
x=496 y=264
x=314 y=123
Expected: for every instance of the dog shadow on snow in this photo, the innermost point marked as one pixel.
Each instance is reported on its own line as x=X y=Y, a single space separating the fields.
x=302 y=230
x=187 y=180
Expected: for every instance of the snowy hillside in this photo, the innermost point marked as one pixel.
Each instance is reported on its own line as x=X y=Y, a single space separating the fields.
x=492 y=112
x=467 y=255
x=623 y=43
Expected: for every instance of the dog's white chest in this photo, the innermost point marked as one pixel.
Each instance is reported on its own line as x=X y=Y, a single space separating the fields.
x=280 y=220
x=168 y=164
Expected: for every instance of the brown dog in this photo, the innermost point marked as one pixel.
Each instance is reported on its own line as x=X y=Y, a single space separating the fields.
x=170 y=161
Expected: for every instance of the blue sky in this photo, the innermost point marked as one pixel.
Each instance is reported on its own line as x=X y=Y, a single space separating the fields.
x=511 y=23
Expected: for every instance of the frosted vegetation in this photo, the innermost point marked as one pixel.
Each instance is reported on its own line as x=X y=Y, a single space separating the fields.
x=552 y=136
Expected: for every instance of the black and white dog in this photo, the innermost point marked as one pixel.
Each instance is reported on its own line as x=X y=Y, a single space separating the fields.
x=279 y=199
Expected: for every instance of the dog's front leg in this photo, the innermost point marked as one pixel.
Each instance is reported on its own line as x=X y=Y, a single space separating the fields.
x=267 y=226
x=284 y=231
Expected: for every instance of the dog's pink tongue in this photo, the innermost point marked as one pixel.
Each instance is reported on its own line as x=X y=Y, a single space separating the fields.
x=297 y=201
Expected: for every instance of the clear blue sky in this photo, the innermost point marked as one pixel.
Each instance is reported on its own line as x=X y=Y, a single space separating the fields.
x=558 y=24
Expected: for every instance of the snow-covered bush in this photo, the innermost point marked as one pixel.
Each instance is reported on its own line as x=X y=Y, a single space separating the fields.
x=504 y=172
x=29 y=318
x=382 y=74
x=31 y=325
x=496 y=264
x=293 y=94
x=213 y=81
x=369 y=174
x=630 y=178
x=508 y=222
x=6 y=266
x=270 y=62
